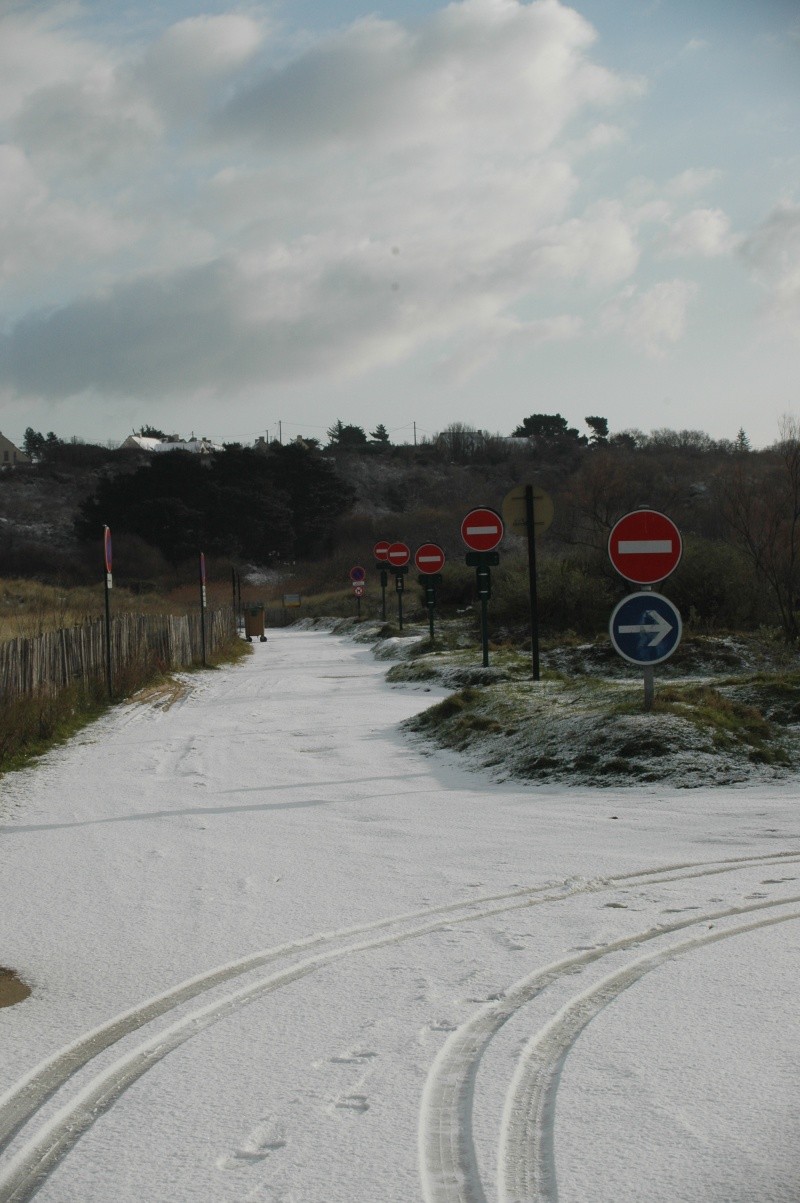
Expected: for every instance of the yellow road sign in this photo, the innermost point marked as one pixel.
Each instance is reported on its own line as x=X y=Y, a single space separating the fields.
x=514 y=513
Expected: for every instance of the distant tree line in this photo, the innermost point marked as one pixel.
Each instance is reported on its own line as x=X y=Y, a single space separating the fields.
x=738 y=509
x=264 y=506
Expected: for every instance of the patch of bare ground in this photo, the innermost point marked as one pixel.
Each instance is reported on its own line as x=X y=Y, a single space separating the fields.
x=162 y=696
x=12 y=988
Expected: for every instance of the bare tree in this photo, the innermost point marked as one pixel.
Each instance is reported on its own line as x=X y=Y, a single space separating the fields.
x=760 y=496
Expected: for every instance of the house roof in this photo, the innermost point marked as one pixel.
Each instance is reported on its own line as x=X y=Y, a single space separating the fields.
x=156 y=446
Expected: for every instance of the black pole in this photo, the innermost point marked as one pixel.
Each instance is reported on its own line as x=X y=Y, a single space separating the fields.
x=203 y=608
x=358 y=606
x=430 y=621
x=485 y=630
x=529 y=522
x=384 y=581
x=233 y=587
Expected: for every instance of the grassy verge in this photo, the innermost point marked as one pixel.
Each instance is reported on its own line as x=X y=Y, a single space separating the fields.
x=591 y=730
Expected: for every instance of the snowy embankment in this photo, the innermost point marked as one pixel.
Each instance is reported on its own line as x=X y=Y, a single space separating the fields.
x=279 y=953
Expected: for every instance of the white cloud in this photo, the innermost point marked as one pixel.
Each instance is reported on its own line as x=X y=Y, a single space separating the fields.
x=601 y=246
x=91 y=125
x=39 y=231
x=194 y=55
x=455 y=141
x=651 y=320
x=692 y=181
x=772 y=252
x=705 y=233
x=480 y=71
x=505 y=336
x=37 y=51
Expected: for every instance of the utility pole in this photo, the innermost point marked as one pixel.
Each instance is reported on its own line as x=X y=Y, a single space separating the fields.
x=415 y=434
x=280 y=432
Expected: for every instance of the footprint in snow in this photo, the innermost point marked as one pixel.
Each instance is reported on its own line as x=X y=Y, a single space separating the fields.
x=352 y=1102
x=355 y=1056
x=265 y=1138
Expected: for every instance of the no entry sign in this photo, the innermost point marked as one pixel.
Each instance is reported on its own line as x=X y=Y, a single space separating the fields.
x=381 y=550
x=398 y=555
x=429 y=558
x=645 y=547
x=482 y=530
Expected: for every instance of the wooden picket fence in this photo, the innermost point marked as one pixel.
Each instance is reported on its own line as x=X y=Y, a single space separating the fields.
x=77 y=655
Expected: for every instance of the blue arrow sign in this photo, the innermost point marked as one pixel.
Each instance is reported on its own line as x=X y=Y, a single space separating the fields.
x=645 y=628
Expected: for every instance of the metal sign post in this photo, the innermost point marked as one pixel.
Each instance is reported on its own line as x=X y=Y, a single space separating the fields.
x=203 y=608
x=528 y=510
x=381 y=553
x=645 y=547
x=482 y=530
x=108 y=582
x=400 y=584
x=483 y=562
x=383 y=576
x=429 y=559
x=397 y=558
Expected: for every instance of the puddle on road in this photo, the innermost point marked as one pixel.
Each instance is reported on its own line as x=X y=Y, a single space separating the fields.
x=12 y=988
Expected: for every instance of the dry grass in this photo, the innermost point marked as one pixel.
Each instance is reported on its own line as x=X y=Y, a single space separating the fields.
x=28 y=608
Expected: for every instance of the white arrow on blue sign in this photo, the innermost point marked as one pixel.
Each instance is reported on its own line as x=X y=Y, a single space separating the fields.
x=645 y=628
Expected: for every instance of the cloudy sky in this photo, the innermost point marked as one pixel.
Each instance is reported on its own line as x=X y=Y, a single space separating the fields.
x=214 y=217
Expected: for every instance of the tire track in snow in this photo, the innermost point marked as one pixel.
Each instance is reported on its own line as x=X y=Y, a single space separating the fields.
x=448 y=1162
x=24 y=1172
x=526 y=1162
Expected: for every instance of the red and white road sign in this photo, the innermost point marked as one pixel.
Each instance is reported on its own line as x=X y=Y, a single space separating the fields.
x=358 y=590
x=429 y=558
x=357 y=574
x=645 y=546
x=482 y=530
x=381 y=550
x=107 y=548
x=398 y=555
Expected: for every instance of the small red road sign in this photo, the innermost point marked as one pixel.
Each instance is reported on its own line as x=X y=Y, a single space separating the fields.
x=429 y=558
x=357 y=573
x=398 y=554
x=645 y=546
x=107 y=547
x=358 y=590
x=381 y=550
x=482 y=530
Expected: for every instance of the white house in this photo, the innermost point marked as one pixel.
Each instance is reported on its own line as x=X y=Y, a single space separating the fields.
x=142 y=442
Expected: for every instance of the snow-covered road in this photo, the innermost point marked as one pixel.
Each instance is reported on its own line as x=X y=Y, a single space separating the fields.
x=278 y=953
